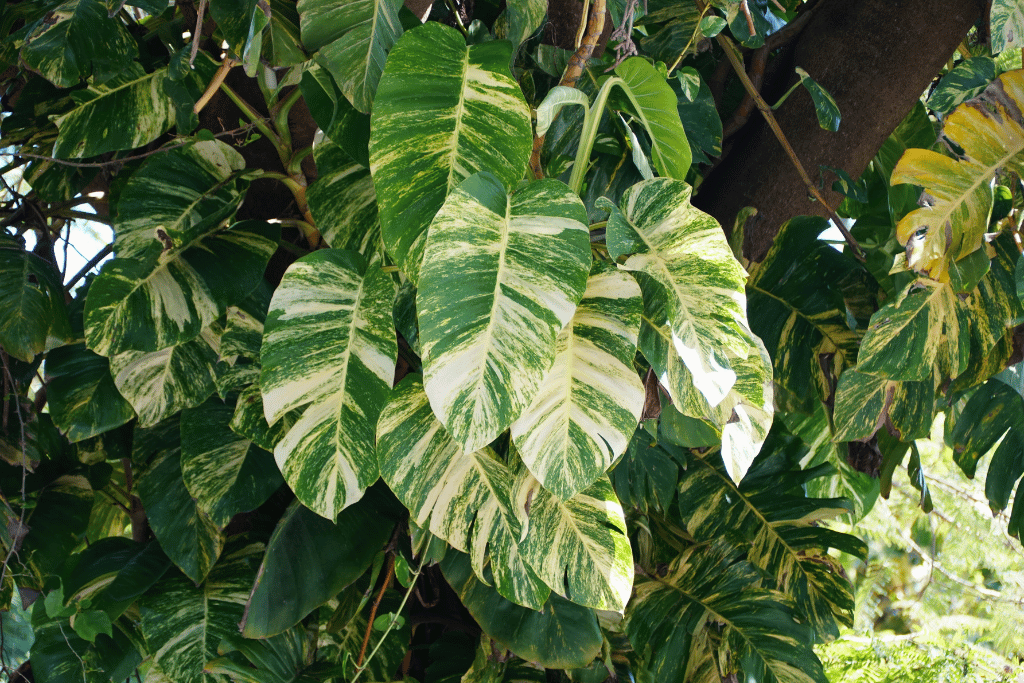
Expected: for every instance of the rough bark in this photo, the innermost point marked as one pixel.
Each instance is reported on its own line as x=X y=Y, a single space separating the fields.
x=876 y=57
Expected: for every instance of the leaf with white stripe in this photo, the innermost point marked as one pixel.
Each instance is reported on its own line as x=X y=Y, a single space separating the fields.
x=353 y=37
x=342 y=200
x=501 y=276
x=329 y=347
x=81 y=394
x=146 y=304
x=689 y=274
x=225 y=473
x=590 y=401
x=161 y=383
x=464 y=498
x=183 y=624
x=578 y=547
x=443 y=111
x=177 y=195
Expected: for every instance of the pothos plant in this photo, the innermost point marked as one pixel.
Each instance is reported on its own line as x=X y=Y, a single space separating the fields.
x=485 y=396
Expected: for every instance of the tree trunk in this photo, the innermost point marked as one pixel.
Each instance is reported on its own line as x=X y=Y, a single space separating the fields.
x=875 y=57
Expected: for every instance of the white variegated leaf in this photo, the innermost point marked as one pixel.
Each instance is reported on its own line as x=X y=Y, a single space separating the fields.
x=443 y=111
x=342 y=200
x=464 y=498
x=329 y=348
x=161 y=383
x=501 y=276
x=690 y=278
x=590 y=401
x=578 y=547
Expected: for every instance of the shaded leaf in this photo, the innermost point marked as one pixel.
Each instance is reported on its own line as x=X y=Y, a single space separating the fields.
x=81 y=394
x=33 y=316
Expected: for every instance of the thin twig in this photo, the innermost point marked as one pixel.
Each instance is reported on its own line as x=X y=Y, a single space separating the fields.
x=750 y=20
x=390 y=572
x=215 y=82
x=197 y=35
x=93 y=262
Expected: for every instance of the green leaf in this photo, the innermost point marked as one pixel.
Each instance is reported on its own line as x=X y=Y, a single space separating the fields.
x=342 y=200
x=578 y=547
x=76 y=39
x=309 y=560
x=655 y=104
x=183 y=624
x=1006 y=25
x=560 y=635
x=81 y=394
x=250 y=421
x=33 y=316
x=443 y=111
x=705 y=589
x=91 y=623
x=501 y=276
x=923 y=326
x=865 y=403
x=55 y=525
x=825 y=108
x=964 y=81
x=150 y=304
x=280 y=659
x=691 y=280
x=589 y=403
x=991 y=411
x=176 y=196
x=225 y=474
x=329 y=345
x=130 y=110
x=281 y=43
x=464 y=498
x=519 y=21
x=112 y=572
x=700 y=119
x=353 y=38
x=185 y=532
x=161 y=383
x=242 y=23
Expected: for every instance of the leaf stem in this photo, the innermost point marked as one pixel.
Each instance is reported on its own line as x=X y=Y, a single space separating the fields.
x=391 y=624
x=215 y=82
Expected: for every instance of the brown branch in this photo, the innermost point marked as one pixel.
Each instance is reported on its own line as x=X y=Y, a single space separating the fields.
x=739 y=117
x=93 y=262
x=573 y=71
x=376 y=603
x=750 y=20
x=198 y=33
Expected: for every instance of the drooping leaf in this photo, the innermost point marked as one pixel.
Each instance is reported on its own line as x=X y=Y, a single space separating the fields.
x=1006 y=25
x=443 y=111
x=112 y=572
x=33 y=316
x=825 y=108
x=225 y=473
x=81 y=394
x=280 y=659
x=329 y=345
x=689 y=274
x=501 y=276
x=147 y=304
x=864 y=403
x=700 y=120
x=342 y=200
x=309 y=560
x=161 y=383
x=464 y=498
x=560 y=635
x=183 y=624
x=655 y=104
x=991 y=411
x=77 y=39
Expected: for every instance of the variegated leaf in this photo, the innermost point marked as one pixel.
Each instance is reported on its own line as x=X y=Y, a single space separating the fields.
x=145 y=304
x=520 y=20
x=443 y=111
x=329 y=347
x=578 y=547
x=184 y=624
x=952 y=224
x=353 y=37
x=691 y=279
x=864 y=403
x=501 y=276
x=250 y=422
x=1006 y=25
x=923 y=329
x=186 y=533
x=342 y=199
x=33 y=316
x=161 y=383
x=128 y=111
x=225 y=473
x=81 y=394
x=176 y=196
x=590 y=402
x=464 y=498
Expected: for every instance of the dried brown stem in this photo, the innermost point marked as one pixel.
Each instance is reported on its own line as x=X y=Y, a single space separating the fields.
x=215 y=82
x=376 y=603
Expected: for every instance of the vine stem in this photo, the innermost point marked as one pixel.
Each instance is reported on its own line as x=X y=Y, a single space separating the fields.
x=218 y=78
x=737 y=64
x=388 y=574
x=391 y=624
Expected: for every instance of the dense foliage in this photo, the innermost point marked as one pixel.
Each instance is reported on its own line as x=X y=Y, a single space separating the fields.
x=415 y=360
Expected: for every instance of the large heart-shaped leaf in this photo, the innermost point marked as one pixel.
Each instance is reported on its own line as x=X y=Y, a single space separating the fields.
x=464 y=498
x=75 y=40
x=443 y=111
x=184 y=624
x=149 y=304
x=691 y=279
x=176 y=196
x=33 y=316
x=501 y=276
x=353 y=37
x=125 y=112
x=81 y=394
x=578 y=547
x=589 y=404
x=655 y=104
x=329 y=345
x=342 y=200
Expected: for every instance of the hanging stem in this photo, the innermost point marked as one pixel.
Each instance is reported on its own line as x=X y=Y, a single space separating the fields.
x=391 y=624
